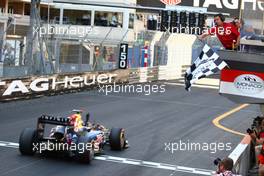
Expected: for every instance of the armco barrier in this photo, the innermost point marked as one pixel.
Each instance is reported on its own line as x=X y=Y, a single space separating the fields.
x=35 y=86
x=57 y=84
x=242 y=156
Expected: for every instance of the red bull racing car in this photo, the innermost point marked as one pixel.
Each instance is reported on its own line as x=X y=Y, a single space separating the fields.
x=72 y=136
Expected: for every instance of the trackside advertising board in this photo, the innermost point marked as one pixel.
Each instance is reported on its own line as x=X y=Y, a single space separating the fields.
x=243 y=80
x=242 y=83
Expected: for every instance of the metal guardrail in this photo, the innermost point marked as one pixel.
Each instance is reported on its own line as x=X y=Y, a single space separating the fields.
x=31 y=87
x=242 y=156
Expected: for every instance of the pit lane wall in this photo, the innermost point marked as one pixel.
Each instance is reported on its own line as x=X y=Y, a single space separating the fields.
x=242 y=156
x=37 y=86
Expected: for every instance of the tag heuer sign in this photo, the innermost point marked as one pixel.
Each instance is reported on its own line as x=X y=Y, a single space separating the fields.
x=171 y=2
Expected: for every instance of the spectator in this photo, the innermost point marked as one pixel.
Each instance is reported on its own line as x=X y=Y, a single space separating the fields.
x=246 y=31
x=237 y=23
x=225 y=167
x=99 y=58
x=261 y=162
x=150 y=22
x=257 y=136
x=86 y=19
x=103 y=20
x=114 y=20
x=155 y=22
x=97 y=19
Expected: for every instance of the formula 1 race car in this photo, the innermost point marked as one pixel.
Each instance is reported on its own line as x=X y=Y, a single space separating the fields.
x=71 y=136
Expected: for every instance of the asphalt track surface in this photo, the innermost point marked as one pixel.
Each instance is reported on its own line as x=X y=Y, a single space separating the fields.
x=150 y=122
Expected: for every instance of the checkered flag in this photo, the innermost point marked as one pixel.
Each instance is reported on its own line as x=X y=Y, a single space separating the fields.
x=206 y=64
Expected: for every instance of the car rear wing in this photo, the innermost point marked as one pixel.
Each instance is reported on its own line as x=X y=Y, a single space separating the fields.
x=47 y=119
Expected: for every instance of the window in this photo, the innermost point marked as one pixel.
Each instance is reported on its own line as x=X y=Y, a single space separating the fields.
x=131 y=21
x=44 y=14
x=112 y=19
x=12 y=52
x=69 y=54
x=85 y=55
x=2 y=6
x=77 y=17
x=15 y=7
x=105 y=57
x=27 y=9
x=54 y=15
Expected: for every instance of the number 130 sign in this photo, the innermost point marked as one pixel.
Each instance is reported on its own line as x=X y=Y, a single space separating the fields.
x=123 y=56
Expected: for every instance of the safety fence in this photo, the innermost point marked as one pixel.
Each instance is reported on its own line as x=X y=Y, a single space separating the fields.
x=74 y=56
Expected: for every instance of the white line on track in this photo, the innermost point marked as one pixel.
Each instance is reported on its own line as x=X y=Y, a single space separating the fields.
x=134 y=162
x=194 y=85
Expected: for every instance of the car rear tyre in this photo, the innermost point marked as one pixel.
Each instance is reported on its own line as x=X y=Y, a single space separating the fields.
x=85 y=154
x=26 y=140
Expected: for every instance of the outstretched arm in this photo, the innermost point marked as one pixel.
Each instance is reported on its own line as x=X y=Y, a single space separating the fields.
x=203 y=36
